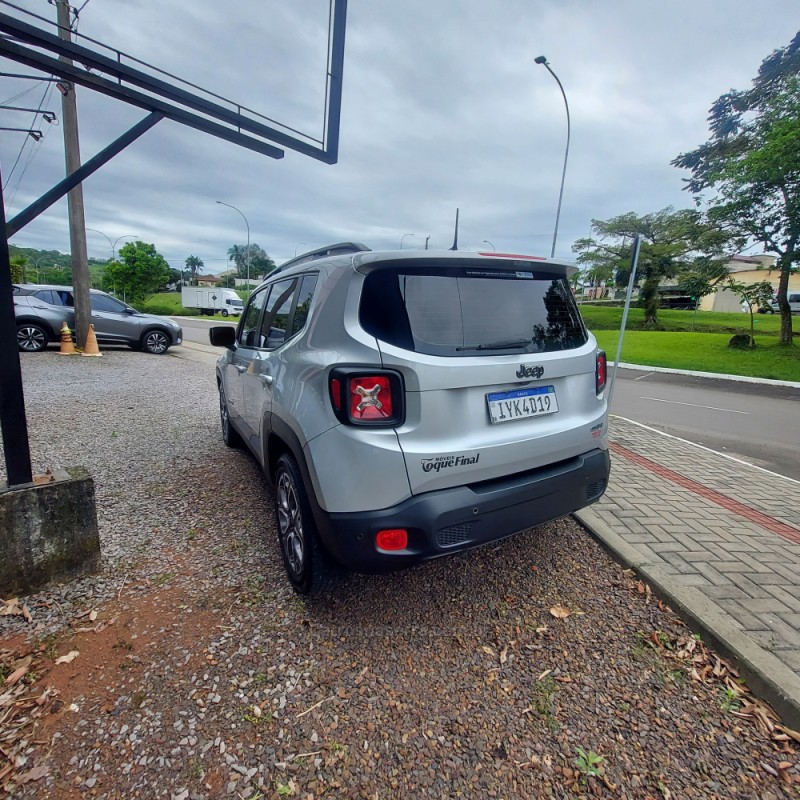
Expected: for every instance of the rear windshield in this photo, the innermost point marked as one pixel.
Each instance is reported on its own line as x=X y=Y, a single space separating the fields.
x=471 y=311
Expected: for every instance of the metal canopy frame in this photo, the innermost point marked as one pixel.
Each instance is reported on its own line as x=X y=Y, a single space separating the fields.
x=25 y=43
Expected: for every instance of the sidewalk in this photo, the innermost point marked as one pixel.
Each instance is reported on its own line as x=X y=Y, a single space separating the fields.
x=717 y=539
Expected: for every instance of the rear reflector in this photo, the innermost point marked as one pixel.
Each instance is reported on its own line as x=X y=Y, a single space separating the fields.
x=600 y=372
x=392 y=539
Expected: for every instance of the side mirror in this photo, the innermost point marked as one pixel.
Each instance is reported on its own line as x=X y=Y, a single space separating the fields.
x=129 y=310
x=222 y=336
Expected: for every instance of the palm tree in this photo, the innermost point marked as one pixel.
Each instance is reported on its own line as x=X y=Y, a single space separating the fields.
x=195 y=265
x=238 y=254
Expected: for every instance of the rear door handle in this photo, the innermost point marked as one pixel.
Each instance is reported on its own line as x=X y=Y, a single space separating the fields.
x=266 y=379
x=240 y=368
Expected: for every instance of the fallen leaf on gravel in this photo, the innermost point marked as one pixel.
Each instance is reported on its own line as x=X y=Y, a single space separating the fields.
x=504 y=655
x=71 y=656
x=13 y=608
x=92 y=615
x=560 y=612
x=789 y=732
x=544 y=675
x=489 y=651
x=35 y=774
x=541 y=629
x=19 y=672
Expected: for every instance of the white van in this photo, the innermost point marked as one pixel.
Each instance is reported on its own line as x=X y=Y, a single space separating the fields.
x=794 y=303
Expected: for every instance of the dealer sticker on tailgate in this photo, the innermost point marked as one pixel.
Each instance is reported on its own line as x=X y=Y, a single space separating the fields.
x=521 y=404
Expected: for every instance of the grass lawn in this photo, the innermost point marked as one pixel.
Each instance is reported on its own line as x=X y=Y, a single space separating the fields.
x=705 y=352
x=169 y=304
x=606 y=318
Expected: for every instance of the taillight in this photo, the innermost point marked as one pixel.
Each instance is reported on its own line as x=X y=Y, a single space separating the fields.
x=370 y=398
x=600 y=372
x=336 y=394
x=367 y=398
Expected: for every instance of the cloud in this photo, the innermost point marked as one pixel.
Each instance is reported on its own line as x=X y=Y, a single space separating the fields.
x=443 y=107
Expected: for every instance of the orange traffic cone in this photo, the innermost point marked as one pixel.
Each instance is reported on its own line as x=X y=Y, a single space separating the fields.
x=91 y=348
x=67 y=348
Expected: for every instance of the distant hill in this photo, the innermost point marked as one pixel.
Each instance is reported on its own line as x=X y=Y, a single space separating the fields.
x=56 y=267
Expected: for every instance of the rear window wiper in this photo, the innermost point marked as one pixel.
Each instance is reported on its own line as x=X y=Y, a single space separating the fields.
x=513 y=344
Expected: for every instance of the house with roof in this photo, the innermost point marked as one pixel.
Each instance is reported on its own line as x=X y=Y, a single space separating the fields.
x=747 y=269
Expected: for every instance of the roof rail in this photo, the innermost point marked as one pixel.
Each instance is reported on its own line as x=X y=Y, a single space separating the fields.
x=340 y=248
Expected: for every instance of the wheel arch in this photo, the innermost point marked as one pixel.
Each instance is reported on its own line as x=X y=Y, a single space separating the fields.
x=156 y=327
x=282 y=439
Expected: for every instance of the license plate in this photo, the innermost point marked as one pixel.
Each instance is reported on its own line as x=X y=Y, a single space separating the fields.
x=521 y=404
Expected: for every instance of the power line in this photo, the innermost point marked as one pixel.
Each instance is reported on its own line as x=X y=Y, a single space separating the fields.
x=34 y=149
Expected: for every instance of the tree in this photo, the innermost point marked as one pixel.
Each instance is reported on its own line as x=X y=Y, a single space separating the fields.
x=139 y=272
x=751 y=166
x=18 y=268
x=194 y=265
x=260 y=263
x=753 y=295
x=673 y=242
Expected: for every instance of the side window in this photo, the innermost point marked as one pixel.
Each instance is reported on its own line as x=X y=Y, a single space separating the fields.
x=276 y=318
x=101 y=302
x=249 y=324
x=45 y=295
x=304 y=297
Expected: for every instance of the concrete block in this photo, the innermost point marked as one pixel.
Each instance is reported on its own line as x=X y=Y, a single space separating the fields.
x=48 y=530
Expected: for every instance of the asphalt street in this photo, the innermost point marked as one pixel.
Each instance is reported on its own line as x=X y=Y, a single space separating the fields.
x=752 y=421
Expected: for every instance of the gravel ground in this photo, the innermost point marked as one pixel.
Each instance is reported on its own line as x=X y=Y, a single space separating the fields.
x=199 y=674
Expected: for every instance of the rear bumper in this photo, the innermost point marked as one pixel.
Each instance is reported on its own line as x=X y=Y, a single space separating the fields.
x=452 y=520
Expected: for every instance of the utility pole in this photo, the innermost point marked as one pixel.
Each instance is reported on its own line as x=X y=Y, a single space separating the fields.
x=77 y=222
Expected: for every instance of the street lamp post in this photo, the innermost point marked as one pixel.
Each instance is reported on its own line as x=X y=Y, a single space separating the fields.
x=247 y=255
x=543 y=60
x=113 y=244
x=403 y=237
x=486 y=241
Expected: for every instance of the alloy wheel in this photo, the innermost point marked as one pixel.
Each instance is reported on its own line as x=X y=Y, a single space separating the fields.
x=290 y=523
x=31 y=338
x=156 y=342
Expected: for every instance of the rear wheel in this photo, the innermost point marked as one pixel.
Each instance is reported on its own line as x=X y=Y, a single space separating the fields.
x=229 y=435
x=31 y=338
x=308 y=566
x=224 y=312
x=156 y=342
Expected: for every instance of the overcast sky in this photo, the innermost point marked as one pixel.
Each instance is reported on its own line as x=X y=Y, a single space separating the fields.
x=443 y=107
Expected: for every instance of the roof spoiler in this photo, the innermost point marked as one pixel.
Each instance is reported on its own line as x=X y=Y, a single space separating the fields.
x=340 y=248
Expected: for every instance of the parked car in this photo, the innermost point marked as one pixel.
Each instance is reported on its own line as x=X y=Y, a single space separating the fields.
x=410 y=404
x=772 y=308
x=40 y=311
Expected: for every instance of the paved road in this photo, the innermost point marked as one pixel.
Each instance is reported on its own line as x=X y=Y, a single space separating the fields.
x=196 y=330
x=754 y=422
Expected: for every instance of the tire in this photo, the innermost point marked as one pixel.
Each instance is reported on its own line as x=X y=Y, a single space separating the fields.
x=308 y=566
x=224 y=312
x=31 y=338
x=156 y=342
x=229 y=434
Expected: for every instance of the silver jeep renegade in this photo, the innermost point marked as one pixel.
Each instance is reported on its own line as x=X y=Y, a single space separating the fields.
x=410 y=404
